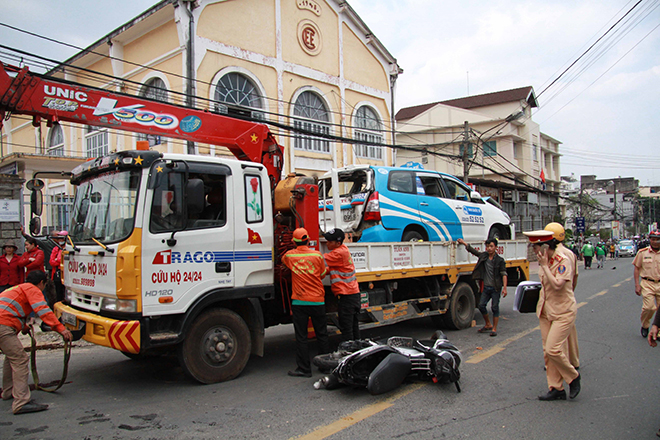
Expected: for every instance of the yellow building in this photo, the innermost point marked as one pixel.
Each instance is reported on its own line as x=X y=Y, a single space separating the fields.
x=310 y=64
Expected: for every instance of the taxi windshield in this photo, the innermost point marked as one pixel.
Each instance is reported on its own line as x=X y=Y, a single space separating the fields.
x=104 y=207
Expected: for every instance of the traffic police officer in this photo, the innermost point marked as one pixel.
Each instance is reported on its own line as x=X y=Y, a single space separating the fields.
x=556 y=311
x=559 y=234
x=647 y=266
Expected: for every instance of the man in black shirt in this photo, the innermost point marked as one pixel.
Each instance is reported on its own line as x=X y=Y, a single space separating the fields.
x=491 y=269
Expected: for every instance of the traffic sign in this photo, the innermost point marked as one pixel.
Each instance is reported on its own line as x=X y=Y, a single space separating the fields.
x=580 y=225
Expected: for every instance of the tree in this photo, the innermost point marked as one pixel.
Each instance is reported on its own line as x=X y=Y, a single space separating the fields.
x=650 y=208
x=587 y=207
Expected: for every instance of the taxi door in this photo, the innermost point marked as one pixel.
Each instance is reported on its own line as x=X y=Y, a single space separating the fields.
x=470 y=215
x=436 y=214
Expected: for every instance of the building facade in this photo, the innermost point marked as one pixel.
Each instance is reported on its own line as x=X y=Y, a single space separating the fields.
x=492 y=140
x=312 y=65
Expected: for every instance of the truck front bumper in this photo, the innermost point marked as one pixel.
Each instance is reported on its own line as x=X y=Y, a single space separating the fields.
x=113 y=333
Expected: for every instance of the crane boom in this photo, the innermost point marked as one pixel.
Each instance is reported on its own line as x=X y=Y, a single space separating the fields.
x=55 y=99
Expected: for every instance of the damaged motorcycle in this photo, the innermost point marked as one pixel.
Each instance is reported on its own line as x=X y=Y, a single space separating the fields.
x=382 y=367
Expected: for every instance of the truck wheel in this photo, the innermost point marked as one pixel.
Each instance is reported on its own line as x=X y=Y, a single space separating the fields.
x=216 y=347
x=461 y=308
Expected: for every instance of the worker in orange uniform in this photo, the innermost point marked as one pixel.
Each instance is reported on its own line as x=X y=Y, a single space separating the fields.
x=344 y=284
x=647 y=266
x=16 y=305
x=307 y=299
x=556 y=311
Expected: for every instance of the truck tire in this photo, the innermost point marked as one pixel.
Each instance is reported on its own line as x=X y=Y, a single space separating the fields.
x=217 y=346
x=461 y=309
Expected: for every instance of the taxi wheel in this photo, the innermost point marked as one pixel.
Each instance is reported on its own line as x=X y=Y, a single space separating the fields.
x=496 y=232
x=216 y=347
x=412 y=236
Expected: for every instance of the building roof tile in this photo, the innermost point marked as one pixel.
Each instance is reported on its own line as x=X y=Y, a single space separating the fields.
x=469 y=102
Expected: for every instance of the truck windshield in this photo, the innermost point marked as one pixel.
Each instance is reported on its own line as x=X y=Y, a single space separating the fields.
x=104 y=207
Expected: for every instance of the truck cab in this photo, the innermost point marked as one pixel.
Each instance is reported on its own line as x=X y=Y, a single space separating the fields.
x=156 y=236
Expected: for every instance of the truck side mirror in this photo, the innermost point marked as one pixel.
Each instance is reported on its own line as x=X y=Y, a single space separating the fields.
x=195 y=196
x=35 y=226
x=36 y=198
x=36 y=202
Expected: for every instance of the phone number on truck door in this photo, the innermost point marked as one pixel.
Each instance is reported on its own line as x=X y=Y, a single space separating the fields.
x=176 y=277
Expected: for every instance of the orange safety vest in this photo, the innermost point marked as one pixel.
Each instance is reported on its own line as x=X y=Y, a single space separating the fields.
x=342 y=271
x=308 y=269
x=16 y=304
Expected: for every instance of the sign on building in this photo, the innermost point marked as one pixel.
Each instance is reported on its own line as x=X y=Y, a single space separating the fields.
x=9 y=210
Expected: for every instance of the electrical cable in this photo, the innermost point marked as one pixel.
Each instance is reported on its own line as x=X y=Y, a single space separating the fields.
x=590 y=47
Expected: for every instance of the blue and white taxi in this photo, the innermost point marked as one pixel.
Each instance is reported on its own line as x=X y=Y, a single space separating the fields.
x=390 y=204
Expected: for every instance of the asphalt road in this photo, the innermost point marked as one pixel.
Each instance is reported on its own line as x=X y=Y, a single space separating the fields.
x=110 y=396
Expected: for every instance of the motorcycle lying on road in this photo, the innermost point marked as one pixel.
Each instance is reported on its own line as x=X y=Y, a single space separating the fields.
x=382 y=367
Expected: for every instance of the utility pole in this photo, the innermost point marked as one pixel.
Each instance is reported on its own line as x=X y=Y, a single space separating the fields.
x=466 y=144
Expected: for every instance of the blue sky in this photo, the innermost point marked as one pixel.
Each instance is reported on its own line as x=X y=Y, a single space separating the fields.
x=606 y=116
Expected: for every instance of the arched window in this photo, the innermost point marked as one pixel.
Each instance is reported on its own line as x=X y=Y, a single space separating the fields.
x=237 y=89
x=56 y=141
x=310 y=106
x=368 y=128
x=96 y=141
x=154 y=89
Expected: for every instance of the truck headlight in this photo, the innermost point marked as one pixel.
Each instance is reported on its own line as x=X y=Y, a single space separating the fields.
x=68 y=295
x=119 y=305
x=506 y=216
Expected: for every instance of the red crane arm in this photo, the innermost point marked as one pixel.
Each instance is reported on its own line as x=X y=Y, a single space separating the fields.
x=55 y=99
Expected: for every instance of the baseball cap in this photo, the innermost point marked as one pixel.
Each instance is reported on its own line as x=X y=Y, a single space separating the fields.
x=334 y=234
x=300 y=235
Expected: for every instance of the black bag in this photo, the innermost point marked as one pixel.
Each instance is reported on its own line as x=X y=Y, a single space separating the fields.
x=527 y=296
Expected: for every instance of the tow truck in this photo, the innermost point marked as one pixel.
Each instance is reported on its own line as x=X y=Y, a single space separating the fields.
x=176 y=253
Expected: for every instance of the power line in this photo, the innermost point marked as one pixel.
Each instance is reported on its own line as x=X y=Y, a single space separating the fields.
x=590 y=47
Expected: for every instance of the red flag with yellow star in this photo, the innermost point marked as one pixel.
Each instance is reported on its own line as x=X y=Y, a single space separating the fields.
x=254 y=237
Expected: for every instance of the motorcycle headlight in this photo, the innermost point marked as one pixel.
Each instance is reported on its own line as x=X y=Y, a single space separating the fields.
x=119 y=305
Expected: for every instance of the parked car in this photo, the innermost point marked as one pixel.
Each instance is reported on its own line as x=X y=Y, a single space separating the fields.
x=627 y=248
x=390 y=204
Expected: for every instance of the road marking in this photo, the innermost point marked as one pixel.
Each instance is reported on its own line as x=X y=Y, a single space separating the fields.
x=611 y=397
x=598 y=294
x=363 y=413
x=475 y=359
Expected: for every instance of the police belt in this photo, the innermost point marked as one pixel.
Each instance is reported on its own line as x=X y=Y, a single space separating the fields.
x=651 y=279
